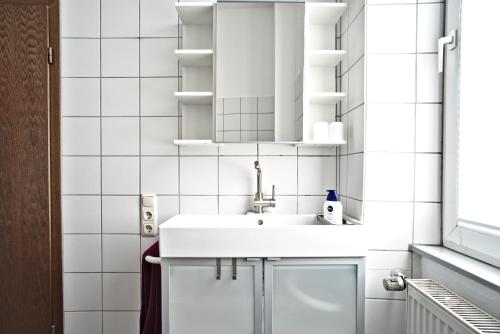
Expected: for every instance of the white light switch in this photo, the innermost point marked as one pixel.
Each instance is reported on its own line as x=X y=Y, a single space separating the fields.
x=149 y=226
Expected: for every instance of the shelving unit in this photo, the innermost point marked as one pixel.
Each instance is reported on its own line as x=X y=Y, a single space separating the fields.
x=321 y=58
x=196 y=59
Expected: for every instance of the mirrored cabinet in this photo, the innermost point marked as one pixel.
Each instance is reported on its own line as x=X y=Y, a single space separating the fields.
x=261 y=72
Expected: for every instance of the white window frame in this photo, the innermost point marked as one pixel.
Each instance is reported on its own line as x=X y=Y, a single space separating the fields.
x=479 y=241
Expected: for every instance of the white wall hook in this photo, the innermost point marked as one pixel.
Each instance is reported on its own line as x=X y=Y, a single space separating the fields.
x=451 y=41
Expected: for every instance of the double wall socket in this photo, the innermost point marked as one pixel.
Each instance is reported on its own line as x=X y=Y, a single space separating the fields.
x=149 y=227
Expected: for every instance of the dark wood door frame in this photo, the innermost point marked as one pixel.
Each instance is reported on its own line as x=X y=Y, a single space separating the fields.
x=47 y=121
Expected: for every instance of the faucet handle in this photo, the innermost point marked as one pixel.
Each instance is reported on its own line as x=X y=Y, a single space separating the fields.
x=273 y=192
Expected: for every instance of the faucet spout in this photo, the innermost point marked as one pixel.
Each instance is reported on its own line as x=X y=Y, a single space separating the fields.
x=259 y=202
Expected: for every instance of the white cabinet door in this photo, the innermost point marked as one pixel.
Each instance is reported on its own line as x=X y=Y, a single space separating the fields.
x=199 y=303
x=314 y=296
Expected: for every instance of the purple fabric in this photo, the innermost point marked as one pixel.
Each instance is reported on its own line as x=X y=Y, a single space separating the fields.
x=151 y=293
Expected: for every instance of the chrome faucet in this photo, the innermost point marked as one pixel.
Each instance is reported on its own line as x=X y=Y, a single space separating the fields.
x=259 y=202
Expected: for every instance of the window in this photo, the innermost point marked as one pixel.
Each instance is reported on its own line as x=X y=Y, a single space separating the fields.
x=471 y=196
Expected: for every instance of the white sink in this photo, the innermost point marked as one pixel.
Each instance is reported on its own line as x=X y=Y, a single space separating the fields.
x=202 y=236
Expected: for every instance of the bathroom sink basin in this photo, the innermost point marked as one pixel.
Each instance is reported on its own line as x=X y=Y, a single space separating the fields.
x=256 y=235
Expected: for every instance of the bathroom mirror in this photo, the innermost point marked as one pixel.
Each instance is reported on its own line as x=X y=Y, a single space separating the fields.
x=259 y=70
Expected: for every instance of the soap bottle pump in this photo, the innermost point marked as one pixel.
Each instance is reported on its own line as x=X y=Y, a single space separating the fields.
x=332 y=208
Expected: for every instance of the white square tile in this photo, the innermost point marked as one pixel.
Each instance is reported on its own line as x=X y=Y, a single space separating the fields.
x=120 y=18
x=429 y=128
x=355 y=165
x=120 y=57
x=158 y=58
x=82 y=253
x=238 y=149
x=120 y=175
x=80 y=96
x=356 y=39
x=249 y=136
x=391 y=78
x=121 y=292
x=390 y=127
x=427 y=223
x=198 y=205
x=81 y=136
x=389 y=176
x=120 y=96
x=249 y=105
x=430 y=26
x=277 y=149
x=198 y=150
x=80 y=18
x=356 y=89
x=121 y=253
x=311 y=204
x=429 y=81
x=390 y=225
x=235 y=205
x=83 y=322
x=232 y=122
x=388 y=260
x=265 y=104
x=157 y=97
x=315 y=151
x=121 y=322
x=237 y=175
x=168 y=206
x=389 y=2
x=265 y=122
x=265 y=135
x=353 y=208
x=160 y=175
x=81 y=175
x=391 y=29
x=375 y=310
x=231 y=105
x=374 y=288
x=198 y=175
x=120 y=136
x=316 y=175
x=158 y=134
x=249 y=122
x=280 y=171
x=232 y=136
x=120 y=214
x=284 y=205
x=356 y=130
x=428 y=177
x=354 y=7
x=158 y=19
x=82 y=291
x=80 y=58
x=344 y=87
x=81 y=214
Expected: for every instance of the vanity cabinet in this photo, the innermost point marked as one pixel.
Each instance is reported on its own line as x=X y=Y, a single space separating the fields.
x=196 y=300
x=278 y=296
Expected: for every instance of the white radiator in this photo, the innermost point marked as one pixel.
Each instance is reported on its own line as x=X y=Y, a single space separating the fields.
x=433 y=309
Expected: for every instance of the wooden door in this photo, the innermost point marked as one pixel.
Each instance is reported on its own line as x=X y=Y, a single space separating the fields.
x=30 y=237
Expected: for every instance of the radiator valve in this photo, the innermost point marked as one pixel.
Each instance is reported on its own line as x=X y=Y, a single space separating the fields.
x=397 y=281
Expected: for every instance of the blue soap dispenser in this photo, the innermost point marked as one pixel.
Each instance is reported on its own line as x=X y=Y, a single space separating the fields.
x=332 y=208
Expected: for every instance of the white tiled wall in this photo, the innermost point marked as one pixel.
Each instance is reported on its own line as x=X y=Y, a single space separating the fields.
x=119 y=121
x=402 y=146
x=120 y=117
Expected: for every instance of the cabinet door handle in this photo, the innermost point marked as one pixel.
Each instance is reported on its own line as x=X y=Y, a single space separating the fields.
x=235 y=270
x=219 y=269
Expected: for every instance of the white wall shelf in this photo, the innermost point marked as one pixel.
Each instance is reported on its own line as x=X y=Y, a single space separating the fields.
x=195 y=142
x=326 y=97
x=194 y=97
x=195 y=57
x=326 y=58
x=325 y=12
x=195 y=12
